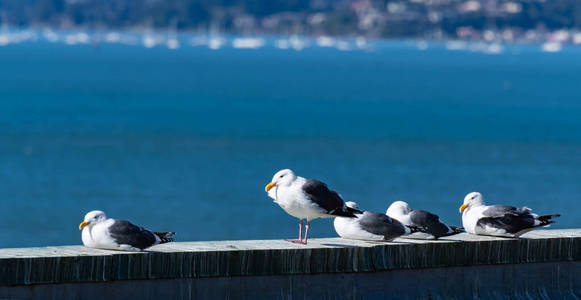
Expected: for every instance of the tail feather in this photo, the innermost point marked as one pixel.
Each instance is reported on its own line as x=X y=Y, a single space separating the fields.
x=414 y=228
x=354 y=210
x=457 y=229
x=165 y=237
x=546 y=219
x=346 y=212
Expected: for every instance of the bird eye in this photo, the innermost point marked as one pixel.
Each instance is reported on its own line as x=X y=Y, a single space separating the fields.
x=281 y=176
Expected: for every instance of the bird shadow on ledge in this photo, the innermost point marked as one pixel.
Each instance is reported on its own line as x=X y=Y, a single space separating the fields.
x=340 y=245
x=357 y=246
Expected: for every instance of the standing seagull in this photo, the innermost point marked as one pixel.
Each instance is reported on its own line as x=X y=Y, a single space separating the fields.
x=499 y=220
x=100 y=232
x=305 y=199
x=430 y=225
x=370 y=226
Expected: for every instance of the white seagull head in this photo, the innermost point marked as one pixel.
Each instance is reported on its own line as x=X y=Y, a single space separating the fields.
x=472 y=199
x=92 y=218
x=281 y=178
x=398 y=208
x=352 y=204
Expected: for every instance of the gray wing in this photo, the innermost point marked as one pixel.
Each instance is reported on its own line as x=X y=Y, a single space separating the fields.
x=381 y=224
x=430 y=223
x=123 y=232
x=327 y=199
x=509 y=218
x=499 y=210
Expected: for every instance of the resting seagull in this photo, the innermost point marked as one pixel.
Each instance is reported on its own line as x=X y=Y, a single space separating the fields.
x=499 y=220
x=305 y=199
x=370 y=226
x=430 y=225
x=101 y=232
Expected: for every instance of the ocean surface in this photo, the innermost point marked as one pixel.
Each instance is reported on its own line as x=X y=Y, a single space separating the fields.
x=186 y=140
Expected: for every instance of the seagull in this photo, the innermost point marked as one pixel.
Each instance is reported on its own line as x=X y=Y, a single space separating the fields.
x=305 y=199
x=370 y=226
x=429 y=223
x=499 y=220
x=104 y=233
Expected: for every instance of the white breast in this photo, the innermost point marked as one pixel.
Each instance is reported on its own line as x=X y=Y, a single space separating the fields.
x=294 y=202
x=87 y=238
x=97 y=236
x=471 y=216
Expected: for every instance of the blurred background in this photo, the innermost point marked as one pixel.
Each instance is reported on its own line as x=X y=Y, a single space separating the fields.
x=176 y=114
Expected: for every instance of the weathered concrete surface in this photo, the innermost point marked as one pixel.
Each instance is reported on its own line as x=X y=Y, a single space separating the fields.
x=514 y=281
x=551 y=257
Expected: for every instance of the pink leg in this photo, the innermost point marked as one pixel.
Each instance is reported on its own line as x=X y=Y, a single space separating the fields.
x=300 y=240
x=307 y=232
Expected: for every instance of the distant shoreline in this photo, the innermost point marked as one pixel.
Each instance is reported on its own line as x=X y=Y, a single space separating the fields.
x=151 y=38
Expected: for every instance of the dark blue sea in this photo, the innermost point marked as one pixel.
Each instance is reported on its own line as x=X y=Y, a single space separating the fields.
x=186 y=140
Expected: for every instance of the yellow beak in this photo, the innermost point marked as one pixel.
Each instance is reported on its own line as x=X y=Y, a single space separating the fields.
x=463 y=207
x=269 y=186
x=83 y=225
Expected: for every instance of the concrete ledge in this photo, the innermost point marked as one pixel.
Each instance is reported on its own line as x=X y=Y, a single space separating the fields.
x=553 y=280
x=77 y=264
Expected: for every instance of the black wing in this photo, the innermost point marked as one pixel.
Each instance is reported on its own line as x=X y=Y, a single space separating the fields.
x=381 y=224
x=123 y=232
x=329 y=200
x=509 y=218
x=430 y=223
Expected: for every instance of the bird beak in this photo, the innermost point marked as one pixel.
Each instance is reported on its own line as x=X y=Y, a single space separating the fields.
x=269 y=186
x=83 y=225
x=463 y=207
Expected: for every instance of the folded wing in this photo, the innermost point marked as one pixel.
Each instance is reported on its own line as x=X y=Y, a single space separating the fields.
x=125 y=233
x=381 y=224
x=328 y=200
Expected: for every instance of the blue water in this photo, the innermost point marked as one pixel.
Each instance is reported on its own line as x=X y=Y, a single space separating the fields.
x=186 y=140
